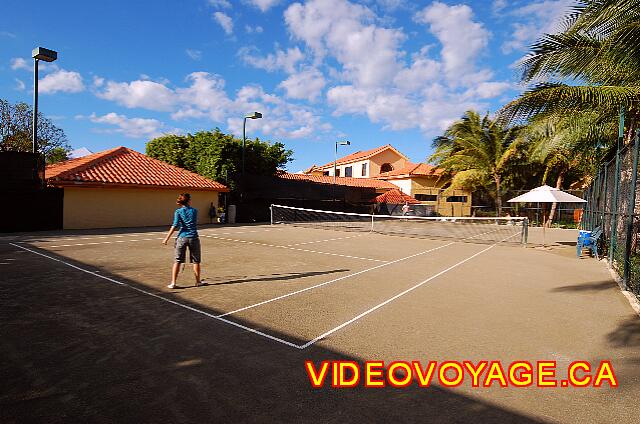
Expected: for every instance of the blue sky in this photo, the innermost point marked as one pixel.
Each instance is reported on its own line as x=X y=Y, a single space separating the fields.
x=370 y=71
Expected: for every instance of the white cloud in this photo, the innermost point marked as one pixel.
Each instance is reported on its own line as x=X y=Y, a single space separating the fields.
x=221 y=4
x=281 y=60
x=194 y=54
x=140 y=93
x=20 y=86
x=461 y=37
x=498 y=5
x=132 y=127
x=307 y=84
x=421 y=71
x=7 y=34
x=204 y=97
x=251 y=30
x=20 y=63
x=365 y=57
x=264 y=5
x=224 y=21
x=98 y=81
x=61 y=81
x=533 y=20
x=487 y=90
x=367 y=53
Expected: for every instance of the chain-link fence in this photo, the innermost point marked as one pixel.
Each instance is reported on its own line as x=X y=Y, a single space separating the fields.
x=612 y=205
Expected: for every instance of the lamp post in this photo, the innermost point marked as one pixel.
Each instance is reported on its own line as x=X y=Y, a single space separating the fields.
x=335 y=157
x=38 y=54
x=256 y=115
x=335 y=164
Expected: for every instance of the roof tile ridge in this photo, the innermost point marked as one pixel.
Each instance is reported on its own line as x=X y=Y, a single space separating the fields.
x=174 y=167
x=99 y=158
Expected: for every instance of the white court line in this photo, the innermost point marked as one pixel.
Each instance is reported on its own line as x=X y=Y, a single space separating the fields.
x=321 y=241
x=410 y=289
x=352 y=275
x=294 y=248
x=101 y=242
x=149 y=233
x=182 y=305
x=334 y=280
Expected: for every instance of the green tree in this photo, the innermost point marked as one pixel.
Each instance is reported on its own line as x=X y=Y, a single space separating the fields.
x=592 y=66
x=16 y=122
x=168 y=148
x=478 y=152
x=57 y=154
x=218 y=156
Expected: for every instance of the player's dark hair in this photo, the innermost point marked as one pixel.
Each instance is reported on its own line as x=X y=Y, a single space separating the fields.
x=183 y=199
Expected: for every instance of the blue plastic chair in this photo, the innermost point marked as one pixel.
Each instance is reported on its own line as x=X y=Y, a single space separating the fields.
x=588 y=240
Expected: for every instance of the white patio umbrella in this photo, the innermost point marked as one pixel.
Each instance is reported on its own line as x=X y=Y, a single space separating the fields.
x=546 y=194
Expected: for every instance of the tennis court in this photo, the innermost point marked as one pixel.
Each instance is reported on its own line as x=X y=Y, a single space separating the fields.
x=92 y=332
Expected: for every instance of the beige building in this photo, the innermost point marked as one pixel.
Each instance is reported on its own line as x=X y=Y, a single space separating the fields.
x=123 y=188
x=364 y=164
x=428 y=185
x=422 y=181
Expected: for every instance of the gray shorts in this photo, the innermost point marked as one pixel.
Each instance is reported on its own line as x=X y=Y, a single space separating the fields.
x=193 y=243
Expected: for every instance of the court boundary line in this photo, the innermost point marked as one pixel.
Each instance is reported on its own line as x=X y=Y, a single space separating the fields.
x=148 y=233
x=391 y=299
x=333 y=281
x=357 y=273
x=294 y=248
x=182 y=305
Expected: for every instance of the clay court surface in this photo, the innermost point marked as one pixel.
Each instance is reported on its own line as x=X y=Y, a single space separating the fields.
x=90 y=333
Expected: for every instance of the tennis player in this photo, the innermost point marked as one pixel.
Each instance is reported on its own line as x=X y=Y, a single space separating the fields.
x=185 y=220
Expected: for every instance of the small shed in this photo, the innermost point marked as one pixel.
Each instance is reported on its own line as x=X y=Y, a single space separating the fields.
x=391 y=202
x=124 y=188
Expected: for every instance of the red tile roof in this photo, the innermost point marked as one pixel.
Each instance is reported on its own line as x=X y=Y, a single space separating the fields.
x=345 y=181
x=361 y=155
x=123 y=167
x=396 y=197
x=413 y=170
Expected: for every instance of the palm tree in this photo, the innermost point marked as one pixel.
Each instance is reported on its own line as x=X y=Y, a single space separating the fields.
x=565 y=145
x=478 y=152
x=593 y=65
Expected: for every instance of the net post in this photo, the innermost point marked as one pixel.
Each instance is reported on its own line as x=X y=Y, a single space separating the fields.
x=271 y=213
x=525 y=231
x=372 y=215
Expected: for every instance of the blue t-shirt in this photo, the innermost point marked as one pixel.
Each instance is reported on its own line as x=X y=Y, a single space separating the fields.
x=186 y=219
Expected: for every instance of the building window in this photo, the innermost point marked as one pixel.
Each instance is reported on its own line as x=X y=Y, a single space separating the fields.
x=348 y=171
x=337 y=172
x=426 y=197
x=326 y=173
x=364 y=169
x=457 y=199
x=386 y=167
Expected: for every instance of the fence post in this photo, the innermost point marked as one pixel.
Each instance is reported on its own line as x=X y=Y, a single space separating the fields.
x=604 y=201
x=631 y=212
x=614 y=200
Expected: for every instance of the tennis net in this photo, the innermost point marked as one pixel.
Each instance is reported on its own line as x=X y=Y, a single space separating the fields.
x=471 y=229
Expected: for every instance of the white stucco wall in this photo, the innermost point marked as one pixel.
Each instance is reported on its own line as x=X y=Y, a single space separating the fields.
x=403 y=184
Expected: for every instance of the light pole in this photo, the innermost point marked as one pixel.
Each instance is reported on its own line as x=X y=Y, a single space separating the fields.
x=335 y=157
x=256 y=115
x=335 y=164
x=38 y=54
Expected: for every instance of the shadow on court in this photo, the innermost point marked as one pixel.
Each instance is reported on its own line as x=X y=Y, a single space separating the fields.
x=588 y=287
x=279 y=277
x=76 y=348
